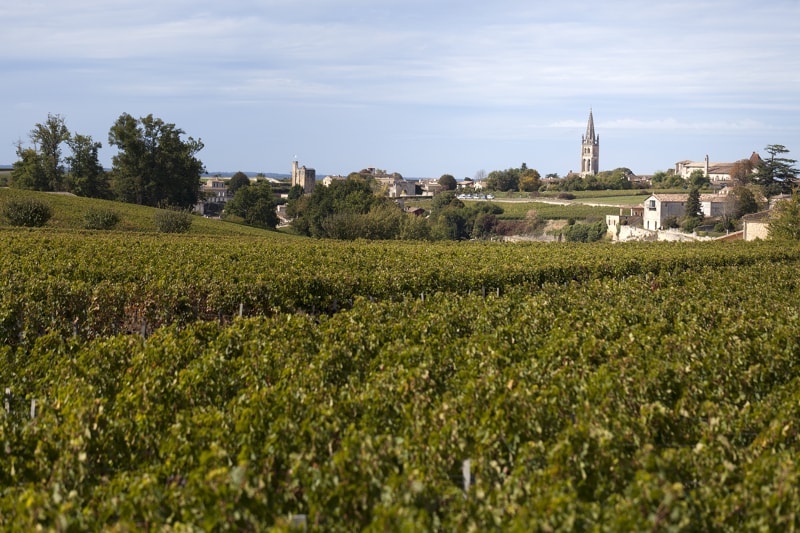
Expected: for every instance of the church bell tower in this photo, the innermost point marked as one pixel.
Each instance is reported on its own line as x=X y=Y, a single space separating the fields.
x=590 y=150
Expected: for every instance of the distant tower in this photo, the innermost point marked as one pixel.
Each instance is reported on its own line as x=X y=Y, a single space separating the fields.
x=590 y=150
x=305 y=177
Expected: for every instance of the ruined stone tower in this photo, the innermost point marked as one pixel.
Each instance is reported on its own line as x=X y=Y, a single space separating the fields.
x=305 y=177
x=590 y=150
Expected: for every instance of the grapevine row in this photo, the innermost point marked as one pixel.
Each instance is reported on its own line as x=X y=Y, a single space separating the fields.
x=644 y=400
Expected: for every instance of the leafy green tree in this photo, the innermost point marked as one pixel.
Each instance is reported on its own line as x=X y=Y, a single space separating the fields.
x=154 y=166
x=40 y=168
x=86 y=175
x=451 y=224
x=698 y=179
x=238 y=181
x=693 y=207
x=784 y=222
x=448 y=181
x=255 y=204
x=667 y=180
x=293 y=200
x=504 y=180
x=743 y=201
x=530 y=180
x=415 y=228
x=444 y=200
x=484 y=226
x=28 y=171
x=585 y=232
x=693 y=215
x=352 y=195
x=49 y=137
x=776 y=174
x=573 y=182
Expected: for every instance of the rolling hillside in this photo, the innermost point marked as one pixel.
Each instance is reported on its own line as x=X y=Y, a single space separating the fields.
x=69 y=210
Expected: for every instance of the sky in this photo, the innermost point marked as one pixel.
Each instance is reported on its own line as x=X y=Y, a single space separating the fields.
x=419 y=87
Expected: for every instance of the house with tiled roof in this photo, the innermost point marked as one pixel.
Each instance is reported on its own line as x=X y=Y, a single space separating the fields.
x=717 y=173
x=660 y=207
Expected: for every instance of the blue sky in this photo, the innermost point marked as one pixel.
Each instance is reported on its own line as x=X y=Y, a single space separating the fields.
x=418 y=87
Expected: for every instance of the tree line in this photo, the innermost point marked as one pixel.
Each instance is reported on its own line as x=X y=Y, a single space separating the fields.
x=353 y=209
x=155 y=165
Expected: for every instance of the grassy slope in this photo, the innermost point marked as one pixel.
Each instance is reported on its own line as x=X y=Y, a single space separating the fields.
x=69 y=210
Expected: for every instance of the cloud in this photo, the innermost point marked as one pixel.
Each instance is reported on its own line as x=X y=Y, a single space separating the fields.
x=502 y=72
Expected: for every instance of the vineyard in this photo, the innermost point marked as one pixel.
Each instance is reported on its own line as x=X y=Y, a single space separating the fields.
x=193 y=383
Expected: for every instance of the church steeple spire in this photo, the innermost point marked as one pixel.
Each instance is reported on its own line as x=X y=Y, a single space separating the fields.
x=590 y=149
x=590 y=136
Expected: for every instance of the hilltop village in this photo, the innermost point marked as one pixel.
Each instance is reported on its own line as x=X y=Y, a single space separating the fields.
x=155 y=166
x=659 y=214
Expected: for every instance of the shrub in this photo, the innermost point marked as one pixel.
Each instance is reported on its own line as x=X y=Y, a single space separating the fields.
x=172 y=221
x=690 y=224
x=585 y=232
x=100 y=219
x=671 y=222
x=27 y=212
x=566 y=196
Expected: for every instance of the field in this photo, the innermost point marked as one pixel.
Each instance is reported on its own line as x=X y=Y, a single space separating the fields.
x=189 y=382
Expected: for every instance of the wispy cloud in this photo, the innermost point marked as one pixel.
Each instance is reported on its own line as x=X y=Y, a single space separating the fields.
x=500 y=71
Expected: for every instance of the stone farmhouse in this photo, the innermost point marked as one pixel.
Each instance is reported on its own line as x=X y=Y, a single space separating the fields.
x=659 y=207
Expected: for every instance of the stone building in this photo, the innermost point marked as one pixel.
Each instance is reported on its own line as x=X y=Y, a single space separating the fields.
x=659 y=207
x=590 y=150
x=305 y=177
x=756 y=226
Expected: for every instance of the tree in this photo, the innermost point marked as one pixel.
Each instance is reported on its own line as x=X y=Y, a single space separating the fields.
x=293 y=200
x=784 y=222
x=743 y=201
x=742 y=172
x=585 y=232
x=530 y=180
x=444 y=200
x=86 y=175
x=448 y=182
x=255 y=204
x=352 y=195
x=698 y=179
x=693 y=207
x=238 y=181
x=504 y=180
x=154 y=166
x=28 y=171
x=451 y=224
x=667 y=180
x=693 y=215
x=776 y=174
x=49 y=137
x=484 y=226
x=40 y=168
